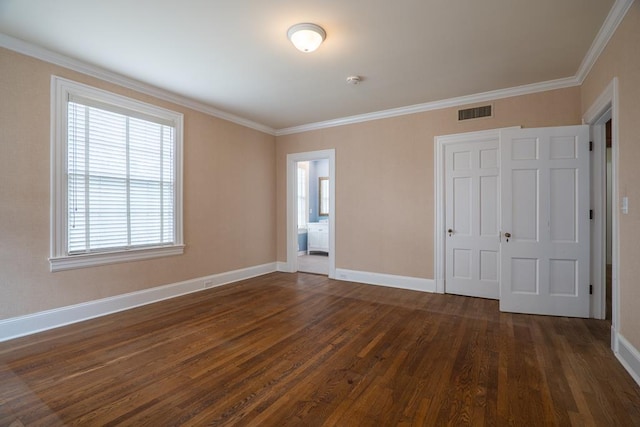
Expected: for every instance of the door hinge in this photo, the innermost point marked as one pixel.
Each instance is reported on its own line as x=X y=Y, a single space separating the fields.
x=590 y=213
x=590 y=289
x=590 y=145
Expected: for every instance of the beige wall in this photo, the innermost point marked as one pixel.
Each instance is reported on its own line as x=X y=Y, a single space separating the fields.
x=385 y=178
x=621 y=59
x=229 y=199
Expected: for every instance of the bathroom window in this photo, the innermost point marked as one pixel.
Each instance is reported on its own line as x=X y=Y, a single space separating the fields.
x=303 y=200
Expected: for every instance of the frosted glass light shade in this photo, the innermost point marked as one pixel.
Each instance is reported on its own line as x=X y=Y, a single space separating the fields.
x=306 y=37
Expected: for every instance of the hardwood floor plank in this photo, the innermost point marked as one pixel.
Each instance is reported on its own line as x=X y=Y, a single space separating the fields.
x=303 y=350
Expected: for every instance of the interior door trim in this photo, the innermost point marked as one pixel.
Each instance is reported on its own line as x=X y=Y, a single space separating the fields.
x=605 y=107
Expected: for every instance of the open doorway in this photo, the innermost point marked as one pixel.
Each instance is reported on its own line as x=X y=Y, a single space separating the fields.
x=311 y=212
x=609 y=222
x=602 y=119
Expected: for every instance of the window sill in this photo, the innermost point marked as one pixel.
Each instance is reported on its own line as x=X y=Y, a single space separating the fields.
x=71 y=262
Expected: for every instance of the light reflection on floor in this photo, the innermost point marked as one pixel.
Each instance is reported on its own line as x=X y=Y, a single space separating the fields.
x=317 y=263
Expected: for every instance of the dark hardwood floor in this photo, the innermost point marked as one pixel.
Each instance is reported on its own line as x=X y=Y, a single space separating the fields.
x=300 y=349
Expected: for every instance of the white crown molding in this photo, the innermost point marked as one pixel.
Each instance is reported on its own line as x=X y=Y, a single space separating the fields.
x=436 y=105
x=43 y=54
x=609 y=27
x=607 y=99
x=15 y=327
x=615 y=16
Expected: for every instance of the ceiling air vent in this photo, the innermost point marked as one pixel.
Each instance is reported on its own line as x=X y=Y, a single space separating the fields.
x=474 y=113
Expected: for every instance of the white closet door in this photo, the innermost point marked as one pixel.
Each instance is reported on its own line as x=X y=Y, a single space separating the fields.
x=472 y=208
x=545 y=221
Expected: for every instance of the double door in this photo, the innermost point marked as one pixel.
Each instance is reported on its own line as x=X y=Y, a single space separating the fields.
x=517 y=219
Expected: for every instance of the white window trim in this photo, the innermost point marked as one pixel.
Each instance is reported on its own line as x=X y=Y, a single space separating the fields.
x=303 y=229
x=60 y=259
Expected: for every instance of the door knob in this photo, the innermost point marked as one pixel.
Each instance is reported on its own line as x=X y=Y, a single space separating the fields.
x=450 y=231
x=507 y=235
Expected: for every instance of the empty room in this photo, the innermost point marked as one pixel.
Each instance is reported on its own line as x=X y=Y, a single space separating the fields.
x=335 y=213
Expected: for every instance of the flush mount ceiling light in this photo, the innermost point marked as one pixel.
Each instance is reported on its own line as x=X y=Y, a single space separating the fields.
x=306 y=37
x=354 y=80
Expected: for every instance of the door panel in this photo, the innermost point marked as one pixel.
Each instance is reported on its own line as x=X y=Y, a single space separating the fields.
x=489 y=206
x=545 y=210
x=472 y=211
x=461 y=205
x=462 y=264
x=524 y=183
x=562 y=205
x=489 y=265
x=524 y=275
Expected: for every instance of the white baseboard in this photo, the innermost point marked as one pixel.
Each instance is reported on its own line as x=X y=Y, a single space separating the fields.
x=627 y=354
x=283 y=267
x=37 y=322
x=390 y=280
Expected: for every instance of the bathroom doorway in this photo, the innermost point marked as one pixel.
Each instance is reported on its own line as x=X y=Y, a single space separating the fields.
x=311 y=212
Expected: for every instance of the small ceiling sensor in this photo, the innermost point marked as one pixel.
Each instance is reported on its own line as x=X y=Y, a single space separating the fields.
x=354 y=80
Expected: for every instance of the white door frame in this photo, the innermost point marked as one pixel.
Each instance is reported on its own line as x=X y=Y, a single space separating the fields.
x=292 y=206
x=603 y=109
x=440 y=206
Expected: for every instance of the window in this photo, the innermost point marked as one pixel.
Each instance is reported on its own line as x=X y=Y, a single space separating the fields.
x=302 y=195
x=116 y=173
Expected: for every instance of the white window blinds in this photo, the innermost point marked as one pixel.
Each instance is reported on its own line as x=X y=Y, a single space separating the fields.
x=120 y=180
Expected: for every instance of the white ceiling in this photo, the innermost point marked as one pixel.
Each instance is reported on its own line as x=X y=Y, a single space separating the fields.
x=233 y=55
